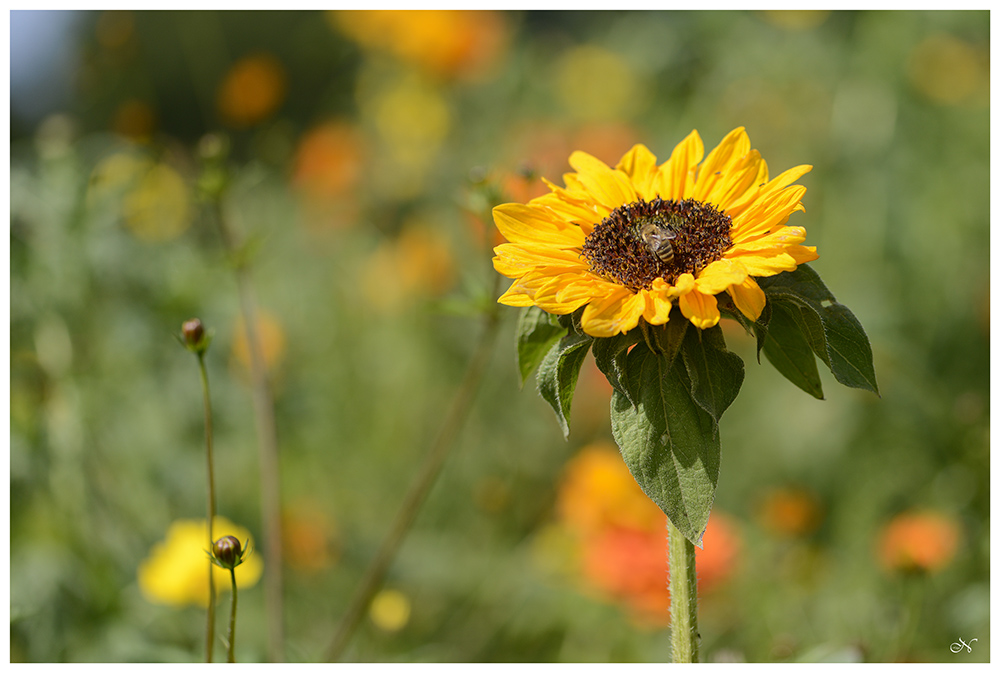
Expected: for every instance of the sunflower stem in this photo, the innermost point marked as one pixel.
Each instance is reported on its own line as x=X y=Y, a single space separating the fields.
x=210 y=624
x=683 y=598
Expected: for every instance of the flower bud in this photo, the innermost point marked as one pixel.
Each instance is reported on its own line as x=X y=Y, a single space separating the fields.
x=193 y=336
x=193 y=331
x=227 y=552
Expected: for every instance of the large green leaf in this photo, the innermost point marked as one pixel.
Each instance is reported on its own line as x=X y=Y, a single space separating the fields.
x=716 y=374
x=536 y=332
x=558 y=373
x=609 y=354
x=786 y=347
x=668 y=440
x=833 y=333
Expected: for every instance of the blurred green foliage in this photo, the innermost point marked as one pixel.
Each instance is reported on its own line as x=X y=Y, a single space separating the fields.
x=370 y=257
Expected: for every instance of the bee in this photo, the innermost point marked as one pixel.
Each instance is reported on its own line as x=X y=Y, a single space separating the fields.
x=658 y=238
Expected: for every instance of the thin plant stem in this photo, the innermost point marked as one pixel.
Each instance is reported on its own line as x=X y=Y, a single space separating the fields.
x=683 y=598
x=267 y=444
x=210 y=625
x=428 y=472
x=232 y=620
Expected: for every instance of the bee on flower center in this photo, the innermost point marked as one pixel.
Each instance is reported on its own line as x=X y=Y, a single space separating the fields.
x=657 y=237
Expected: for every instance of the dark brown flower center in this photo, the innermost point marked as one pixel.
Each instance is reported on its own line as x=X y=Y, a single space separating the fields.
x=645 y=240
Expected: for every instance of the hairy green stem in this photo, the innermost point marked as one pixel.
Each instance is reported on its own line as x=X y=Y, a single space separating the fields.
x=232 y=620
x=267 y=444
x=210 y=625
x=683 y=598
x=427 y=475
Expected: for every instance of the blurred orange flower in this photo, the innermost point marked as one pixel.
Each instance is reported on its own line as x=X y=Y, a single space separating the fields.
x=251 y=91
x=328 y=166
x=329 y=159
x=622 y=535
x=134 y=119
x=450 y=43
x=918 y=542
x=271 y=337
x=790 y=511
x=310 y=537
x=418 y=263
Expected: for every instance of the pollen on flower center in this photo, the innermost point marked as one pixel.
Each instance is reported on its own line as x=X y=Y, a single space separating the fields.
x=645 y=240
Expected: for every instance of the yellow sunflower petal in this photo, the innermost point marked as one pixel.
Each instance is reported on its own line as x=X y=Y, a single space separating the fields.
x=770 y=263
x=657 y=304
x=513 y=260
x=683 y=285
x=567 y=292
x=516 y=296
x=780 y=239
x=618 y=312
x=607 y=185
x=719 y=275
x=749 y=298
x=639 y=164
x=745 y=175
x=785 y=179
x=527 y=224
x=733 y=147
x=802 y=253
x=583 y=215
x=701 y=309
x=675 y=178
x=767 y=213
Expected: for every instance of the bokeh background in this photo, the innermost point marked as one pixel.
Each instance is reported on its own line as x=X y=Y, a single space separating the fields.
x=365 y=150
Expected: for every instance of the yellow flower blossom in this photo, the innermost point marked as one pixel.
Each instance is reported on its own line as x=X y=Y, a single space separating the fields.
x=176 y=571
x=631 y=242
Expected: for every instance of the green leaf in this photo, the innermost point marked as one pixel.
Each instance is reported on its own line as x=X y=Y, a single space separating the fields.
x=668 y=440
x=536 y=332
x=558 y=373
x=668 y=338
x=716 y=374
x=786 y=348
x=609 y=354
x=833 y=333
x=850 y=351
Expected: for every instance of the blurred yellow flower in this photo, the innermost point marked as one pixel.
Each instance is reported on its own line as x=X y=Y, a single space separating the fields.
x=586 y=244
x=413 y=118
x=597 y=84
x=445 y=42
x=271 y=337
x=176 y=571
x=417 y=264
x=918 y=541
x=949 y=70
x=390 y=610
x=157 y=208
x=251 y=91
x=797 y=19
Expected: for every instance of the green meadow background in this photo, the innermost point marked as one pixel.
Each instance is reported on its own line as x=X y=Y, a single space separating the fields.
x=363 y=156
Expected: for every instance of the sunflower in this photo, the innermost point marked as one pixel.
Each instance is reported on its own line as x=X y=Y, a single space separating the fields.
x=630 y=242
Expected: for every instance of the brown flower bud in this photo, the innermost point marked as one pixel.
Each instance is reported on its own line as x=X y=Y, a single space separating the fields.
x=227 y=551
